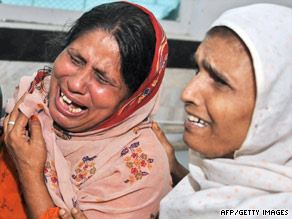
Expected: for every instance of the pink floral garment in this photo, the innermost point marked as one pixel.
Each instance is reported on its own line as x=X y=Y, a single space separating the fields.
x=117 y=171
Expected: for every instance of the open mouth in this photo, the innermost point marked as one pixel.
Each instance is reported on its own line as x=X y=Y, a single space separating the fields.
x=70 y=105
x=197 y=121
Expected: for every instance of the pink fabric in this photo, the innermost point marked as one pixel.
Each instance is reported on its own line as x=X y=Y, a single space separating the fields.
x=117 y=171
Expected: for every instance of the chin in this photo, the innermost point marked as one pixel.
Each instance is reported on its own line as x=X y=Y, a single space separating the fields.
x=190 y=142
x=199 y=146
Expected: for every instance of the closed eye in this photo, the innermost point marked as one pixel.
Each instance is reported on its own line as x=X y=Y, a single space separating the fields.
x=75 y=57
x=215 y=74
x=75 y=61
x=219 y=80
x=100 y=79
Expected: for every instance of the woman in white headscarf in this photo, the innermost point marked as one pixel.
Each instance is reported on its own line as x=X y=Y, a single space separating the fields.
x=239 y=124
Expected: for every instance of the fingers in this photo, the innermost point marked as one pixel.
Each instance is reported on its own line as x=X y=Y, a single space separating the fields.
x=20 y=124
x=36 y=131
x=159 y=134
x=6 y=119
x=76 y=213
x=13 y=115
x=165 y=144
x=11 y=118
x=64 y=214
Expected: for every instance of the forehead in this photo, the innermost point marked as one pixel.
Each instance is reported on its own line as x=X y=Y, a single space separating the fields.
x=228 y=55
x=222 y=47
x=97 y=45
x=97 y=36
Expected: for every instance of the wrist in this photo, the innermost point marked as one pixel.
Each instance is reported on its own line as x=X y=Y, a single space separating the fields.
x=31 y=177
x=174 y=165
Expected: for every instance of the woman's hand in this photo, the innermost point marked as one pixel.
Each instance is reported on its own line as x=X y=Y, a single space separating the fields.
x=166 y=145
x=28 y=151
x=177 y=170
x=75 y=214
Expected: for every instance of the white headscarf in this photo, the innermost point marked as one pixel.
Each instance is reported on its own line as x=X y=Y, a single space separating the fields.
x=259 y=178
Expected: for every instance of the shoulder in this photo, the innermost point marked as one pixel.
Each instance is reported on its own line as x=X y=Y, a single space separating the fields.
x=145 y=157
x=146 y=144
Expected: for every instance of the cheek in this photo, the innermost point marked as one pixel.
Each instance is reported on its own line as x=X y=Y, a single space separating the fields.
x=232 y=125
x=106 y=96
x=218 y=108
x=99 y=92
x=62 y=67
x=53 y=86
x=102 y=96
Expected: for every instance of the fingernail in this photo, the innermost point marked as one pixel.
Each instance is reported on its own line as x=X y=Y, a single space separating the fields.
x=34 y=118
x=61 y=212
x=155 y=126
x=74 y=210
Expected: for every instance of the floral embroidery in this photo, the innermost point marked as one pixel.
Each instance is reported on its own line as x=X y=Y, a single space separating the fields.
x=74 y=202
x=84 y=171
x=99 y=200
x=51 y=174
x=145 y=93
x=38 y=79
x=154 y=83
x=41 y=108
x=46 y=100
x=138 y=162
x=135 y=130
x=39 y=88
x=63 y=134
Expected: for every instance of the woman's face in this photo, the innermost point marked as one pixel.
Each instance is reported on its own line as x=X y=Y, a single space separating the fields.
x=220 y=99
x=87 y=85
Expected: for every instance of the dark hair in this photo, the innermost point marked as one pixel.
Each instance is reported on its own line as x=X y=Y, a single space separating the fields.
x=133 y=31
x=222 y=31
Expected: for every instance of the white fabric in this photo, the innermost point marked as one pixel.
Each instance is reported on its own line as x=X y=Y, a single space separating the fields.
x=260 y=175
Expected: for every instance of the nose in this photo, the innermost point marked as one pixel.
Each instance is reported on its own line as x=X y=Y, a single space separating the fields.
x=78 y=82
x=194 y=91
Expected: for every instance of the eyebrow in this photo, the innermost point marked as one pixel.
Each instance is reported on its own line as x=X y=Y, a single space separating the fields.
x=103 y=73
x=213 y=71
x=76 y=53
x=111 y=80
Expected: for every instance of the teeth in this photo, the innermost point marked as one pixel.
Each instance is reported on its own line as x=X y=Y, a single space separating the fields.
x=74 y=110
x=202 y=122
x=198 y=122
x=193 y=119
x=66 y=98
x=62 y=101
x=200 y=125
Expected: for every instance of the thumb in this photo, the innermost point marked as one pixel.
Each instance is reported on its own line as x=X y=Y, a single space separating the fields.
x=160 y=134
